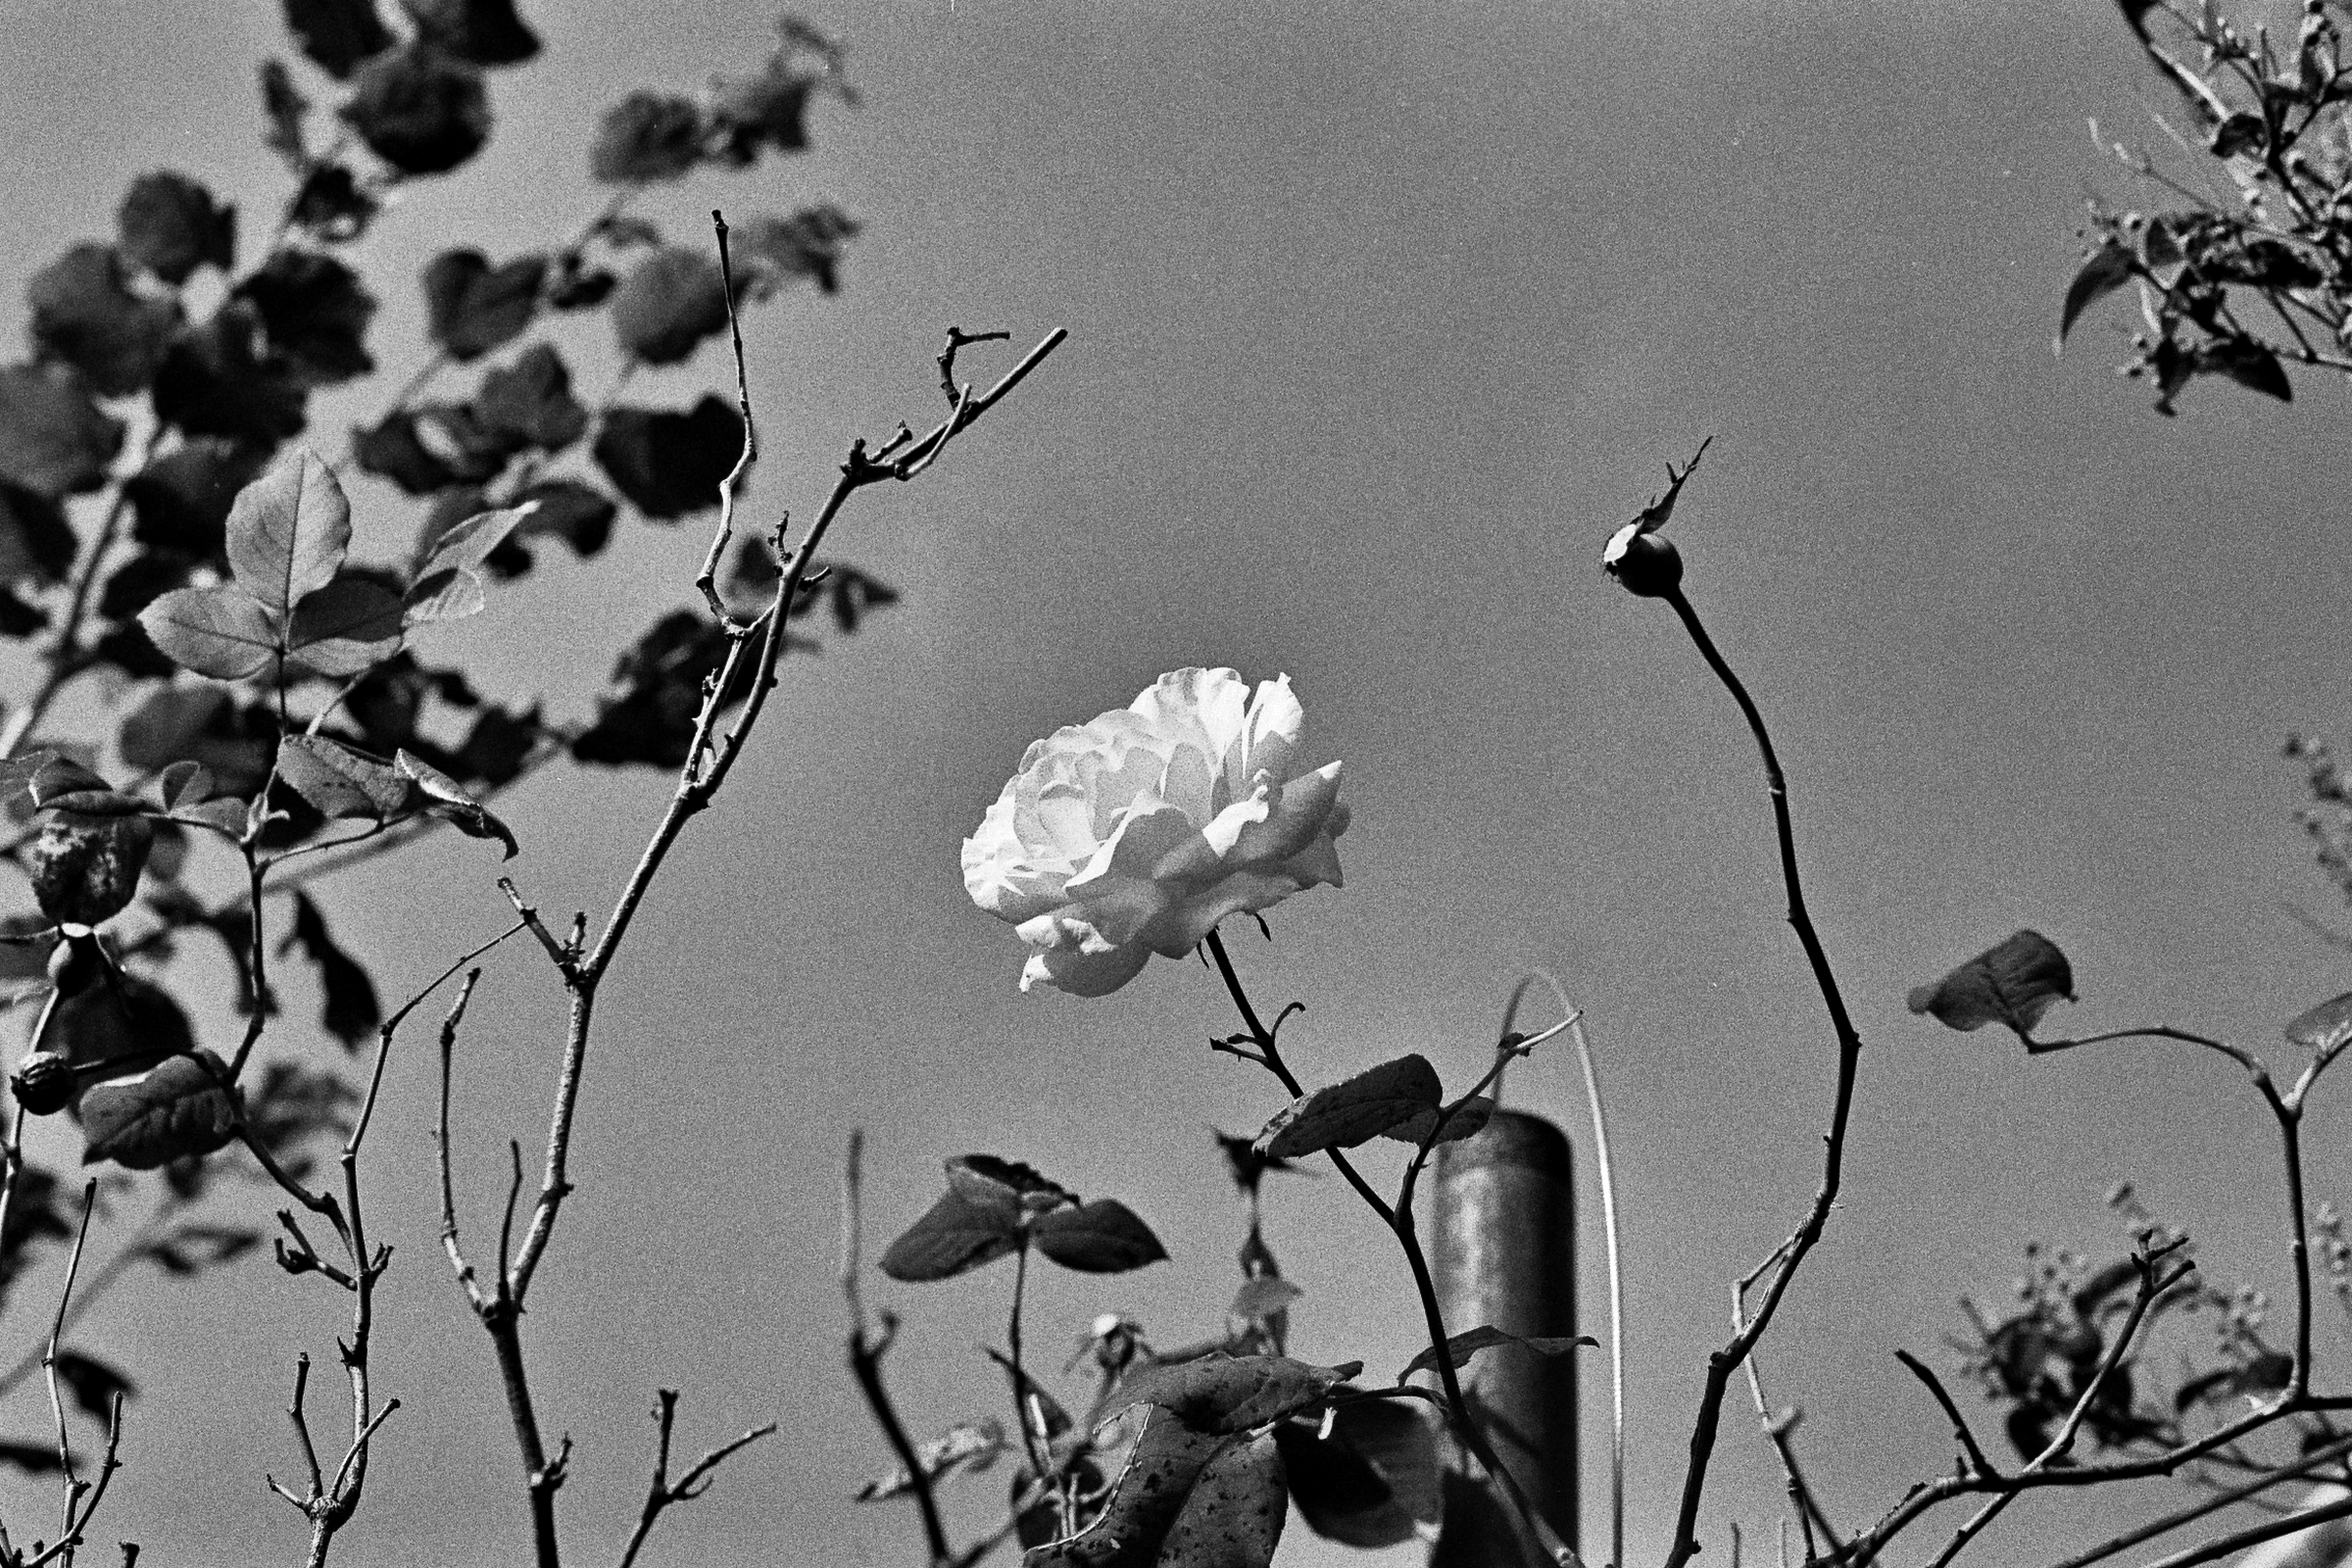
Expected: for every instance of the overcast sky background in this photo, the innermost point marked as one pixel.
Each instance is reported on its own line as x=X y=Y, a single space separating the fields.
x=1381 y=317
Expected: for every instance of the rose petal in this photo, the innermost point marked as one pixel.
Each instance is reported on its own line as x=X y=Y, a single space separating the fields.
x=1306 y=804
x=1276 y=724
x=999 y=872
x=1203 y=706
x=1316 y=865
x=1147 y=830
x=1186 y=924
x=1185 y=782
x=1085 y=974
x=1205 y=857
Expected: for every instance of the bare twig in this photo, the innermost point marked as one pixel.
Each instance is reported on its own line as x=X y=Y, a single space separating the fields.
x=663 y=1491
x=866 y=1349
x=67 y=1476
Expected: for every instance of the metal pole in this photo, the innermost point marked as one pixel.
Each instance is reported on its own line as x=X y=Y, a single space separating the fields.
x=1502 y=1247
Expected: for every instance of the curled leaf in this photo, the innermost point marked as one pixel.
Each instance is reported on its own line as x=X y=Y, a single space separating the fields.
x=1345 y=1114
x=2013 y=984
x=1462 y=1347
x=450 y=802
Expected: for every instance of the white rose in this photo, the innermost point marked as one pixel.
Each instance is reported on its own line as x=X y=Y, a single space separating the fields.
x=1137 y=833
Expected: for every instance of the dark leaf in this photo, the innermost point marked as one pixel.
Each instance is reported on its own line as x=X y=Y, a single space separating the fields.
x=173 y=1109
x=769 y=109
x=137 y=583
x=1462 y=1347
x=647 y=136
x=37 y=542
x=808 y=244
x=184 y=783
x=577 y=513
x=2239 y=133
x=670 y=465
x=349 y=1007
x=85 y=868
x=288 y=532
x=171 y=226
x=496 y=748
x=221 y=379
x=2250 y=365
x=337 y=35
x=579 y=287
x=347 y=627
x=852 y=593
x=202 y=724
x=531 y=400
x=487 y=32
x=668 y=305
x=180 y=499
x=453 y=805
x=54 y=440
x=19 y=618
x=283 y=111
x=990 y=1179
x=1100 y=1235
x=33 y=1458
x=314 y=313
x=132 y=1022
x=968 y=1449
x=341 y=783
x=1227 y=1394
x=94 y=1385
x=473 y=307
x=85 y=313
x=392 y=450
x=419 y=110
x=955 y=1236
x=222 y=632
x=652 y=718
x=1348 y=1113
x=2013 y=984
x=1372 y=1482
x=333 y=204
x=1463 y=1123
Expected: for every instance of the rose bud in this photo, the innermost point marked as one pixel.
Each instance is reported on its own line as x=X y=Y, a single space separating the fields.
x=74 y=963
x=1645 y=562
x=44 y=1085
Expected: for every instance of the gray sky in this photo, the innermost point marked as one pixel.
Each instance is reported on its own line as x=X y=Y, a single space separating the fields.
x=1382 y=317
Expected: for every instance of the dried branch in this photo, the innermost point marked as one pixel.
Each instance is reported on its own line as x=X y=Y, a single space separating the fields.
x=663 y=1491
x=866 y=1347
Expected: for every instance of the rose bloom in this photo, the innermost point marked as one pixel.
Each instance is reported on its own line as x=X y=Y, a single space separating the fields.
x=1137 y=833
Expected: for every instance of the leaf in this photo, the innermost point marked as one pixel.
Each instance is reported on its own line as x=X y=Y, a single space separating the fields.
x=769 y=109
x=33 y=1458
x=180 y=500
x=340 y=782
x=171 y=226
x=1344 y=1114
x=647 y=136
x=465 y=546
x=670 y=465
x=668 y=305
x=54 y=440
x=1466 y=1122
x=2325 y=1029
x=289 y=531
x=451 y=595
x=222 y=379
x=487 y=32
x=222 y=632
x=419 y=110
x=530 y=401
x=2250 y=365
x=2106 y=269
x=294 y=1105
x=283 y=111
x=184 y=784
x=174 y=1110
x=968 y=1447
x=205 y=724
x=86 y=315
x=2242 y=133
x=1226 y=1394
x=579 y=514
x=1262 y=1298
x=807 y=244
x=347 y=627
x=1373 y=1480
x=651 y=719
x=94 y=1385
x=472 y=307
x=349 y=1009
x=1100 y=1235
x=337 y=35
x=85 y=868
x=955 y=1236
x=333 y=205
x=37 y=542
x=453 y=805
x=428 y=450
x=1462 y=1347
x=131 y=1021
x=2013 y=983
x=989 y=1179
x=315 y=315
x=1185 y=1499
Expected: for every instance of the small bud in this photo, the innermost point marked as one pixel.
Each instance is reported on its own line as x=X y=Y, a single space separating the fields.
x=1645 y=562
x=44 y=1085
